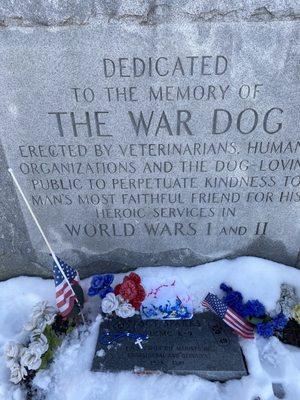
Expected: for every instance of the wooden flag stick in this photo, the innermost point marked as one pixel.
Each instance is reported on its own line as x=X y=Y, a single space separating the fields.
x=45 y=238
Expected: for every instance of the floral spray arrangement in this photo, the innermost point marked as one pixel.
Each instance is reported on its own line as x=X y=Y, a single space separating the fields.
x=254 y=312
x=124 y=300
x=41 y=336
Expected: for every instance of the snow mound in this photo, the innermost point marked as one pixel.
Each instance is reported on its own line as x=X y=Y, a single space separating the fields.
x=69 y=377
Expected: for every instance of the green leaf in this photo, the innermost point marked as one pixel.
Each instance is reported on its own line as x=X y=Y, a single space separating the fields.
x=53 y=342
x=254 y=320
x=46 y=358
x=70 y=329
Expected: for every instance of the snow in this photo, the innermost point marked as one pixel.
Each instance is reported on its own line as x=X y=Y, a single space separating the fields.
x=69 y=376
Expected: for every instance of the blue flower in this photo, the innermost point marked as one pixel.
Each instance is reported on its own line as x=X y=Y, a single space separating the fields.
x=280 y=322
x=108 y=279
x=253 y=308
x=100 y=285
x=93 y=291
x=225 y=288
x=265 y=329
x=238 y=307
x=233 y=299
x=103 y=292
x=97 y=281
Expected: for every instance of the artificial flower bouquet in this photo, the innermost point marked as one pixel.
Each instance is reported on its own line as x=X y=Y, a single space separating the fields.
x=254 y=312
x=124 y=300
x=41 y=335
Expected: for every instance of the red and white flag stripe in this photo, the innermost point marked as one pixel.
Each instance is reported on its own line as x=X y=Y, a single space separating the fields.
x=237 y=323
x=65 y=297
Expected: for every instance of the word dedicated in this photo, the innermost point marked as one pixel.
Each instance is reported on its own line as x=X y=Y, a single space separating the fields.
x=136 y=67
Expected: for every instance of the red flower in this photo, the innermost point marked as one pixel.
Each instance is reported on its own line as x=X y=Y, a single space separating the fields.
x=131 y=290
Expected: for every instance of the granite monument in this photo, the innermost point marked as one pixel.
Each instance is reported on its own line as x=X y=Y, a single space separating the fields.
x=164 y=133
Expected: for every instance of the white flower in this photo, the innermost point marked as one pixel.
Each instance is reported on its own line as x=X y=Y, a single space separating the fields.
x=31 y=358
x=38 y=348
x=17 y=373
x=110 y=303
x=30 y=325
x=12 y=351
x=37 y=322
x=44 y=311
x=39 y=343
x=36 y=332
x=49 y=318
x=42 y=315
x=125 y=310
x=43 y=308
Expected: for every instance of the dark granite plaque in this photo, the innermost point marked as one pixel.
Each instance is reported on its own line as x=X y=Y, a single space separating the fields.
x=203 y=346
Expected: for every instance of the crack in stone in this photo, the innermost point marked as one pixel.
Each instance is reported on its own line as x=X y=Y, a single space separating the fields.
x=157 y=14
x=263 y=12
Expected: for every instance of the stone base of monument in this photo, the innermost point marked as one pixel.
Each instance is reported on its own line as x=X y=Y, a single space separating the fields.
x=203 y=345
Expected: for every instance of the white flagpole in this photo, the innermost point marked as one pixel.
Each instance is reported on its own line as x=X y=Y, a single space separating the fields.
x=44 y=237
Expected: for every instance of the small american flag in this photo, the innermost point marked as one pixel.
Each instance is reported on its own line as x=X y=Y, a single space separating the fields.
x=65 y=298
x=235 y=321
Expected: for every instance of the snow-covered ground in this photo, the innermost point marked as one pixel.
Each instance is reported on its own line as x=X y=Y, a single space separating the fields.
x=69 y=376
